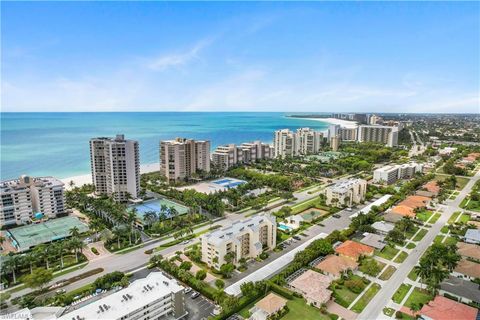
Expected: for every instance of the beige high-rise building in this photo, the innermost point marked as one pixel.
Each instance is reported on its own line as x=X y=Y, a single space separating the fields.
x=181 y=158
x=348 y=134
x=381 y=134
x=335 y=143
x=303 y=141
x=284 y=143
x=309 y=141
x=243 y=239
x=22 y=198
x=226 y=156
x=115 y=167
x=346 y=192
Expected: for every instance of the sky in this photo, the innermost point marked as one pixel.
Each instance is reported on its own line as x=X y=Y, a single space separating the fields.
x=241 y=56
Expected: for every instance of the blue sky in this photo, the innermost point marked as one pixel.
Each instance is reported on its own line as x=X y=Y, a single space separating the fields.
x=241 y=56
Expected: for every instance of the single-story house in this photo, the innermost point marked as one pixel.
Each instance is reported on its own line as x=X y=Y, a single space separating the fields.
x=383 y=227
x=354 y=250
x=268 y=306
x=465 y=290
x=432 y=187
x=468 y=250
x=472 y=236
x=392 y=217
x=442 y=308
x=467 y=269
x=334 y=266
x=313 y=286
x=407 y=207
x=374 y=240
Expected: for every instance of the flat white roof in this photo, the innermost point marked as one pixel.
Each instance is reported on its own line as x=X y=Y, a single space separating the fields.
x=135 y=296
x=377 y=203
x=272 y=267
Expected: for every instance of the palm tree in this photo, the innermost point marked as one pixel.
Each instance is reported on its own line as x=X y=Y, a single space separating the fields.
x=173 y=212
x=150 y=217
x=131 y=218
x=424 y=270
x=30 y=258
x=74 y=232
x=40 y=252
x=12 y=265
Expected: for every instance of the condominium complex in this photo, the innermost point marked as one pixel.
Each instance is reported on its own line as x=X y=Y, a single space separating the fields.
x=243 y=239
x=381 y=134
x=335 y=143
x=154 y=297
x=348 y=134
x=230 y=155
x=346 y=192
x=115 y=167
x=181 y=158
x=390 y=174
x=303 y=141
x=22 y=198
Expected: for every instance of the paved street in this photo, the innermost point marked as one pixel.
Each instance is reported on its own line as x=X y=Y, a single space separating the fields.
x=374 y=309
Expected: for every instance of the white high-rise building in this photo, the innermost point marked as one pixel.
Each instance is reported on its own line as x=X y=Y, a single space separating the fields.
x=333 y=131
x=155 y=297
x=303 y=141
x=22 y=198
x=346 y=192
x=243 y=239
x=230 y=155
x=381 y=134
x=348 y=134
x=115 y=167
x=181 y=158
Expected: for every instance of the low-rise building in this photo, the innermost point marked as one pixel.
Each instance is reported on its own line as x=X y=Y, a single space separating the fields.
x=374 y=240
x=313 y=286
x=354 y=250
x=243 y=239
x=468 y=250
x=465 y=291
x=346 y=192
x=335 y=266
x=25 y=198
x=268 y=306
x=408 y=206
x=472 y=236
x=467 y=269
x=391 y=173
x=442 y=308
x=382 y=227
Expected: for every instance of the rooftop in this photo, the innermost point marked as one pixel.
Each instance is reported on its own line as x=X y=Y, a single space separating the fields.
x=462 y=288
x=442 y=308
x=271 y=303
x=432 y=186
x=313 y=285
x=343 y=186
x=27 y=181
x=374 y=240
x=468 y=268
x=353 y=249
x=468 y=250
x=473 y=234
x=336 y=265
x=383 y=226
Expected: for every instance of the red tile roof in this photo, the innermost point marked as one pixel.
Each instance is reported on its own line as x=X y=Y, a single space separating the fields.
x=354 y=249
x=442 y=308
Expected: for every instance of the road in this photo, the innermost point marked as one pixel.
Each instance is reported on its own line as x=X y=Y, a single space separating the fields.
x=136 y=259
x=417 y=149
x=374 y=310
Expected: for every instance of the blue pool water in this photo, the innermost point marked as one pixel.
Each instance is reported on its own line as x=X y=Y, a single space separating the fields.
x=284 y=227
x=223 y=181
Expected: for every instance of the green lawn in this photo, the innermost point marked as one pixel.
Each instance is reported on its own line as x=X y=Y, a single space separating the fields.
x=410 y=233
x=401 y=292
x=435 y=218
x=461 y=181
x=298 y=309
x=401 y=257
x=444 y=229
x=464 y=218
x=450 y=240
x=419 y=297
x=420 y=235
x=411 y=245
x=454 y=217
x=438 y=239
x=412 y=275
x=388 y=252
x=343 y=296
x=381 y=265
x=387 y=273
x=365 y=298
x=424 y=215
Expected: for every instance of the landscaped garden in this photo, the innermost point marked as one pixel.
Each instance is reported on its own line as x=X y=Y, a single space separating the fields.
x=401 y=292
x=388 y=252
x=419 y=236
x=365 y=298
x=418 y=297
x=387 y=273
x=345 y=291
x=401 y=257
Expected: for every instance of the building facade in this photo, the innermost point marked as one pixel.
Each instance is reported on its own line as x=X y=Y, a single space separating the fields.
x=380 y=134
x=230 y=155
x=22 y=198
x=181 y=158
x=309 y=141
x=346 y=192
x=115 y=165
x=243 y=239
x=390 y=174
x=290 y=143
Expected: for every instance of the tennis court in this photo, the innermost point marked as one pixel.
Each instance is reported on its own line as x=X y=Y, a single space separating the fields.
x=26 y=237
x=156 y=206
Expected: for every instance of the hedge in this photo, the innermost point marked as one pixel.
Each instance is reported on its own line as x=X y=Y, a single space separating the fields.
x=281 y=291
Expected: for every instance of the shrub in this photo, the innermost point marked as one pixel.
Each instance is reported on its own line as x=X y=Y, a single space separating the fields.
x=186 y=265
x=355 y=285
x=201 y=274
x=398 y=315
x=95 y=251
x=219 y=283
x=281 y=291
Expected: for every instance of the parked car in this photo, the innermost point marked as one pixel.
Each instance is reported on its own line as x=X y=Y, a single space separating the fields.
x=297 y=238
x=187 y=290
x=336 y=215
x=185 y=242
x=195 y=295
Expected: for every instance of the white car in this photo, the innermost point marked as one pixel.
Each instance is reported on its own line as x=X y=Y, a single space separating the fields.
x=187 y=290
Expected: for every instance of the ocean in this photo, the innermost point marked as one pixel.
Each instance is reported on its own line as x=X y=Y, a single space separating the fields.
x=56 y=144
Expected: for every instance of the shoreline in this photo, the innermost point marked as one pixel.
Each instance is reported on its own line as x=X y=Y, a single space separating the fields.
x=344 y=123
x=81 y=180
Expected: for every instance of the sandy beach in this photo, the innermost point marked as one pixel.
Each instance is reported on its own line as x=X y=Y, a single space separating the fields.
x=87 y=178
x=344 y=123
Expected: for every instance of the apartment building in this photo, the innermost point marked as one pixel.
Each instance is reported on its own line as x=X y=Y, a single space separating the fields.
x=22 y=198
x=391 y=173
x=346 y=192
x=335 y=143
x=155 y=297
x=181 y=158
x=348 y=134
x=380 y=134
x=230 y=155
x=243 y=239
x=302 y=141
x=115 y=165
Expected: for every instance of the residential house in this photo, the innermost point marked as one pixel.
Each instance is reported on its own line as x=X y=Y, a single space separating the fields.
x=313 y=286
x=472 y=236
x=334 y=266
x=354 y=250
x=442 y=308
x=267 y=307
x=468 y=250
x=467 y=269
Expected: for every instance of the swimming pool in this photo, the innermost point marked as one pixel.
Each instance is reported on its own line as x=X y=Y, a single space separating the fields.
x=222 y=181
x=228 y=182
x=283 y=227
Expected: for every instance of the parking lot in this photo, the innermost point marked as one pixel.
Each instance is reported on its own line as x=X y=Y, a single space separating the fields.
x=198 y=308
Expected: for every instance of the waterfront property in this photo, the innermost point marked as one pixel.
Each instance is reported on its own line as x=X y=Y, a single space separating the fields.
x=221 y=184
x=115 y=165
x=243 y=239
x=346 y=192
x=161 y=206
x=26 y=199
x=26 y=237
x=290 y=143
x=181 y=158
x=230 y=155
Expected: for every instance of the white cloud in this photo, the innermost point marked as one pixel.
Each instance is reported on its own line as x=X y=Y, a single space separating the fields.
x=164 y=62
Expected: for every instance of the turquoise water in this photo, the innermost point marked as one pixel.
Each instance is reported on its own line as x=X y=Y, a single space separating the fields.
x=284 y=227
x=156 y=205
x=57 y=143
